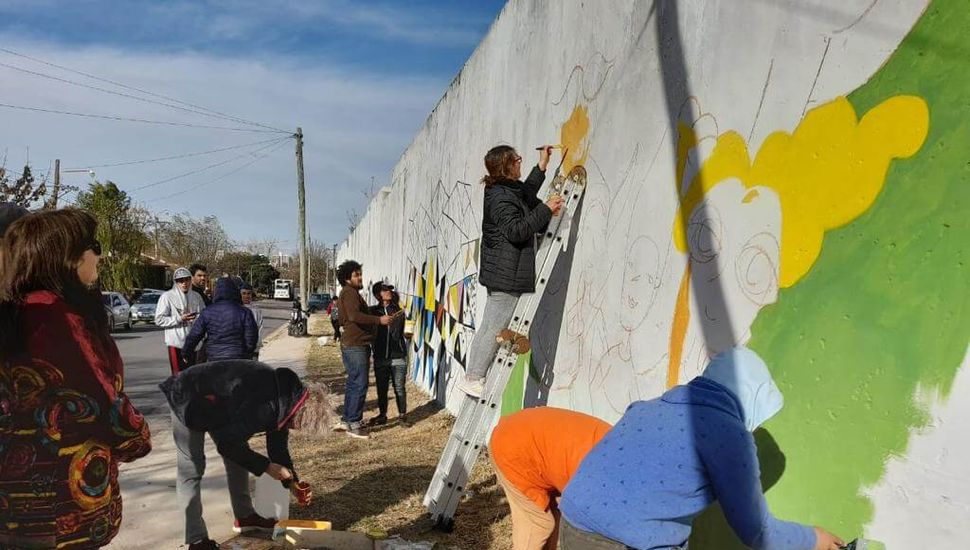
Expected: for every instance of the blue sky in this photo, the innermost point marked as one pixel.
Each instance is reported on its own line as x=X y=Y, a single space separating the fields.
x=359 y=77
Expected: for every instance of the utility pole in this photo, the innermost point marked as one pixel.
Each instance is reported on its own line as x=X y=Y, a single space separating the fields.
x=51 y=203
x=301 y=197
x=156 y=236
x=333 y=268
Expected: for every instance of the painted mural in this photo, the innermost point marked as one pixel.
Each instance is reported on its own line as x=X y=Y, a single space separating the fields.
x=798 y=184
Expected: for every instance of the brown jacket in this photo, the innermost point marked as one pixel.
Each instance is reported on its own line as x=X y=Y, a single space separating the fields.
x=358 y=326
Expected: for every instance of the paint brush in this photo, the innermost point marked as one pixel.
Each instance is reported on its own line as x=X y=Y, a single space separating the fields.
x=553 y=146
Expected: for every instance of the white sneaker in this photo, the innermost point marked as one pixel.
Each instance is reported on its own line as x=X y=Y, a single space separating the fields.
x=474 y=388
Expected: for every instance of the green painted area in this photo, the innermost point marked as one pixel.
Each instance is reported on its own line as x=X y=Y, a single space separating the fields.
x=884 y=312
x=514 y=395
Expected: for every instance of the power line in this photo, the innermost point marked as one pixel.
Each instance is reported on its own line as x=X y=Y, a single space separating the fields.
x=223 y=176
x=129 y=96
x=129 y=119
x=174 y=157
x=139 y=90
x=211 y=166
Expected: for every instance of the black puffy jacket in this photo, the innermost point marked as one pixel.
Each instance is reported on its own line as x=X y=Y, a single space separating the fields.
x=228 y=326
x=512 y=215
x=234 y=400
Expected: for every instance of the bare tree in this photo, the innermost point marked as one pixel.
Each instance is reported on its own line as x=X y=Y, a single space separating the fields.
x=353 y=218
x=264 y=247
x=185 y=239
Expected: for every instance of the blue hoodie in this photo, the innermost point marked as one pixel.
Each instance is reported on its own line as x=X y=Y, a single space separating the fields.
x=669 y=458
x=228 y=326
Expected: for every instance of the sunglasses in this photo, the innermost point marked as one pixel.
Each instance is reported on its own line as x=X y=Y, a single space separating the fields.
x=184 y=280
x=95 y=247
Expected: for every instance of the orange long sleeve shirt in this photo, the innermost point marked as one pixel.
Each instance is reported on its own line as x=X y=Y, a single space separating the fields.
x=539 y=449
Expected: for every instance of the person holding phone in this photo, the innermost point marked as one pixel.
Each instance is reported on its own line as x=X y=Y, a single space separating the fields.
x=177 y=309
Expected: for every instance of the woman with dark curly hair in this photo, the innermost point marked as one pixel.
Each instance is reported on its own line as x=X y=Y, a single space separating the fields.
x=66 y=421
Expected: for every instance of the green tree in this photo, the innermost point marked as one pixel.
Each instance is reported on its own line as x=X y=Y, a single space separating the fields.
x=121 y=232
x=253 y=268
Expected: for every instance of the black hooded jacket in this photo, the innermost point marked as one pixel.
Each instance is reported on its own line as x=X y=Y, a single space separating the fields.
x=234 y=400
x=512 y=215
x=389 y=342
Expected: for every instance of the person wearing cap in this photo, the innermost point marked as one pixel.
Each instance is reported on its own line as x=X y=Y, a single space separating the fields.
x=669 y=458
x=390 y=354
x=232 y=401
x=177 y=309
x=246 y=293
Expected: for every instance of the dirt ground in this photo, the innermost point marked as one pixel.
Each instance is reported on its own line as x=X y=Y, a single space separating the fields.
x=379 y=483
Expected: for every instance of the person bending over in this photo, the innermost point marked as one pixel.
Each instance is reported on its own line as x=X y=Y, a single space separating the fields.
x=232 y=401
x=669 y=458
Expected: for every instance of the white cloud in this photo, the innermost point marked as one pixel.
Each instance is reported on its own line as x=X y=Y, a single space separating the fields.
x=356 y=125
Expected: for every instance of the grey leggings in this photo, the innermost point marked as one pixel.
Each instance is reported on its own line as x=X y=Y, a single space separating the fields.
x=498 y=313
x=190 y=446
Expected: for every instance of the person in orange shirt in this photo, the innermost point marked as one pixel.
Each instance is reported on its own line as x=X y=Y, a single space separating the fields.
x=535 y=452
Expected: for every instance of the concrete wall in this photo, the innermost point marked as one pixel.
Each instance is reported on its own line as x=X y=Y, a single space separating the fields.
x=792 y=175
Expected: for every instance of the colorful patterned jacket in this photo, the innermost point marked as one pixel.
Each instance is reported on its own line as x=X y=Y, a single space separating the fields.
x=66 y=423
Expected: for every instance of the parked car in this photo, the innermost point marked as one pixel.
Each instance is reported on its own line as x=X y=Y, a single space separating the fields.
x=119 y=312
x=318 y=302
x=143 y=310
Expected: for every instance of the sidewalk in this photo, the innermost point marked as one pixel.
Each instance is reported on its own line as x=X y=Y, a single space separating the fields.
x=151 y=517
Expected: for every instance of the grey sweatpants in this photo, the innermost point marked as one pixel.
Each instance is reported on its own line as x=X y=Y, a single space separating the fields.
x=190 y=446
x=498 y=313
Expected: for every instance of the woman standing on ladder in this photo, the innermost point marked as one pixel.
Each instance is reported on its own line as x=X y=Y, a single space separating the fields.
x=512 y=215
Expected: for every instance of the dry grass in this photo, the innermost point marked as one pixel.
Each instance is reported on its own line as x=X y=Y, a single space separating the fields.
x=379 y=483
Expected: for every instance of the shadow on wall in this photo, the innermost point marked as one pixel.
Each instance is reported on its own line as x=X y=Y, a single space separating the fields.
x=711 y=529
x=703 y=247
x=546 y=343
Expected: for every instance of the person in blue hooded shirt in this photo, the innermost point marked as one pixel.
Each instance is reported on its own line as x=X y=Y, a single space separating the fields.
x=669 y=458
x=227 y=325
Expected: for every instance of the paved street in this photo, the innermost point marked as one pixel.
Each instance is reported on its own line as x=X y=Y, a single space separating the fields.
x=150 y=518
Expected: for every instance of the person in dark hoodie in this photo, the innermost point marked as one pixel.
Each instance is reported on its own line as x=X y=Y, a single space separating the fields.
x=669 y=458
x=228 y=327
x=390 y=354
x=232 y=401
x=512 y=215
x=9 y=213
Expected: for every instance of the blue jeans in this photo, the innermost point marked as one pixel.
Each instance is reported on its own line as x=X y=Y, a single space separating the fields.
x=357 y=364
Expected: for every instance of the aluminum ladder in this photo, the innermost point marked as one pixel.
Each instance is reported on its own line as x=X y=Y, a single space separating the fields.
x=479 y=415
